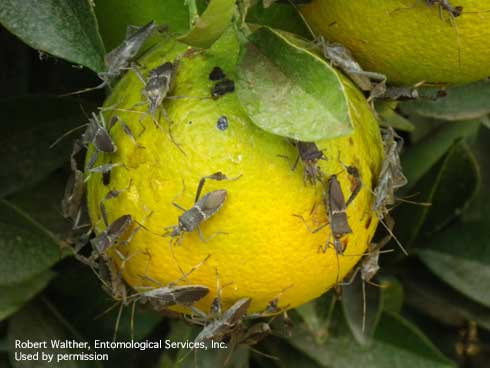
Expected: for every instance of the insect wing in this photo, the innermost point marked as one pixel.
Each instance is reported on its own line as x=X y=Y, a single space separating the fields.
x=211 y=202
x=188 y=295
x=119 y=227
x=235 y=313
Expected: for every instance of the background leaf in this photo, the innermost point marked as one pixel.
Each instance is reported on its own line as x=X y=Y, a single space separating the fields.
x=31 y=125
x=465 y=102
x=211 y=24
x=14 y=296
x=114 y=16
x=362 y=323
x=29 y=248
x=63 y=28
x=397 y=344
x=278 y=16
x=460 y=256
x=418 y=159
x=448 y=187
x=288 y=91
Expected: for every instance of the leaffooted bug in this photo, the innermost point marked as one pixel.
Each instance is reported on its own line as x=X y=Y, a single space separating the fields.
x=71 y=204
x=341 y=57
x=225 y=324
x=113 y=233
x=157 y=87
x=454 y=11
x=118 y=60
x=309 y=154
x=337 y=216
x=202 y=210
x=391 y=176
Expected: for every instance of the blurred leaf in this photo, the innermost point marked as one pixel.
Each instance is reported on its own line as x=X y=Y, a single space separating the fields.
x=39 y=321
x=278 y=16
x=283 y=355
x=429 y=295
x=448 y=187
x=397 y=344
x=418 y=159
x=211 y=24
x=29 y=247
x=79 y=296
x=288 y=91
x=42 y=203
x=115 y=16
x=31 y=125
x=317 y=315
x=479 y=209
x=389 y=117
x=465 y=102
x=362 y=309
x=460 y=256
x=14 y=296
x=393 y=294
x=63 y=28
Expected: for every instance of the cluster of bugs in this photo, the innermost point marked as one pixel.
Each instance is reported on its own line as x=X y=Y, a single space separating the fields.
x=157 y=85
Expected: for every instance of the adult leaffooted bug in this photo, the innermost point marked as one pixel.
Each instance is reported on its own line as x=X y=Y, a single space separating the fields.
x=202 y=210
x=454 y=11
x=224 y=324
x=309 y=155
x=118 y=60
x=113 y=233
x=337 y=216
x=71 y=204
x=341 y=57
x=158 y=85
x=391 y=176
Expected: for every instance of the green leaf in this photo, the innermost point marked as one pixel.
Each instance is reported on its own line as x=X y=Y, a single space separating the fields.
x=448 y=188
x=287 y=356
x=397 y=344
x=14 y=296
x=63 y=28
x=465 y=102
x=431 y=296
x=31 y=125
x=418 y=159
x=42 y=203
x=461 y=257
x=40 y=321
x=29 y=248
x=393 y=295
x=211 y=24
x=389 y=117
x=289 y=91
x=362 y=309
x=278 y=16
x=114 y=16
x=317 y=315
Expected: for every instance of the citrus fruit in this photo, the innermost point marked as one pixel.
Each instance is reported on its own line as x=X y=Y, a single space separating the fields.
x=256 y=245
x=408 y=40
